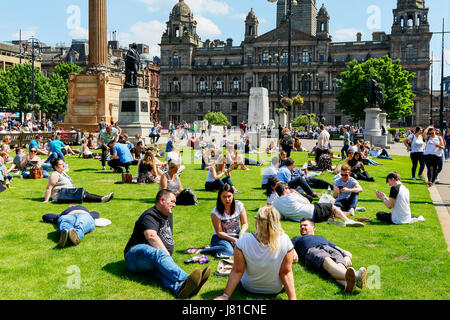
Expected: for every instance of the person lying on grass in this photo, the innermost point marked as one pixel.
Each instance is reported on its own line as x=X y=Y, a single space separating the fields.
x=73 y=224
x=151 y=246
x=293 y=206
x=229 y=219
x=321 y=255
x=263 y=260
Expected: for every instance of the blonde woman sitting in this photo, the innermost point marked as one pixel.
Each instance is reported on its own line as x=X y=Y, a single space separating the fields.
x=263 y=261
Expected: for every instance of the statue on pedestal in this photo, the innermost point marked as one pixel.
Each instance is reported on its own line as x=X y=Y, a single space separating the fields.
x=376 y=94
x=131 y=67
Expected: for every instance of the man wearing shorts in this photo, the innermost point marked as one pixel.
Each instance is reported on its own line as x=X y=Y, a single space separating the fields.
x=295 y=207
x=321 y=255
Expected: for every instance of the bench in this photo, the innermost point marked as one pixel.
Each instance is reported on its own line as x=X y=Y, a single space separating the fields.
x=24 y=138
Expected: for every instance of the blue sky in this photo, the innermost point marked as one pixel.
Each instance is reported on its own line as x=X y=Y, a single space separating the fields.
x=58 y=21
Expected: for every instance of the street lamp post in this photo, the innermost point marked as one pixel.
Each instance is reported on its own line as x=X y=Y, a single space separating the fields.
x=35 y=47
x=291 y=3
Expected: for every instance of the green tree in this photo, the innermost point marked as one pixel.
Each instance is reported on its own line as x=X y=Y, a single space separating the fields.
x=7 y=97
x=395 y=82
x=305 y=120
x=216 y=118
x=66 y=69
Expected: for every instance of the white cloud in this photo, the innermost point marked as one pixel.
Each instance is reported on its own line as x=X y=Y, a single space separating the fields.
x=149 y=33
x=79 y=33
x=207 y=28
x=26 y=33
x=153 y=9
x=346 y=34
x=240 y=16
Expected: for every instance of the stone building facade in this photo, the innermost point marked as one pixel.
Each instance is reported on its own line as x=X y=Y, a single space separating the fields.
x=10 y=55
x=197 y=76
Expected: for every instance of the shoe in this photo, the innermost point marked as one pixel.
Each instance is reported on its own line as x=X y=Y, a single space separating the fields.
x=352 y=211
x=436 y=181
x=360 y=209
x=336 y=222
x=63 y=238
x=414 y=178
x=205 y=275
x=350 y=280
x=351 y=223
x=421 y=178
x=190 y=285
x=73 y=236
x=361 y=277
x=108 y=197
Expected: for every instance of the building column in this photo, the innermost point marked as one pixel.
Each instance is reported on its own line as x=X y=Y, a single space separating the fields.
x=98 y=35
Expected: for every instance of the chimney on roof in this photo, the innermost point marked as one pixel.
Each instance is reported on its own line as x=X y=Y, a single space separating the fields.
x=358 y=37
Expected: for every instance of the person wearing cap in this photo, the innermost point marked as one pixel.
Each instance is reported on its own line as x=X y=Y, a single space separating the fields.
x=73 y=224
x=321 y=255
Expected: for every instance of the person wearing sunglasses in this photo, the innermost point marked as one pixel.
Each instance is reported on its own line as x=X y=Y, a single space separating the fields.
x=432 y=154
x=346 y=191
x=31 y=160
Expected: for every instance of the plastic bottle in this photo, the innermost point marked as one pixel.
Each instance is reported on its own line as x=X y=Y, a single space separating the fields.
x=329 y=190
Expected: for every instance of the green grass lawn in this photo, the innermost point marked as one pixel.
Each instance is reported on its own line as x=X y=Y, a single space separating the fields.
x=410 y=261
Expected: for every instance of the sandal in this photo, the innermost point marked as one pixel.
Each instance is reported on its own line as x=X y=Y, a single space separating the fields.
x=192 y=251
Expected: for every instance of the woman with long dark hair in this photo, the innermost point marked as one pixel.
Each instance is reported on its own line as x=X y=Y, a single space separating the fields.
x=432 y=154
x=358 y=170
x=415 y=143
x=229 y=220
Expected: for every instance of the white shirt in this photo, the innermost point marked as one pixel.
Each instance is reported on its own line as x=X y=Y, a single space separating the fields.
x=401 y=212
x=324 y=139
x=354 y=149
x=231 y=224
x=262 y=266
x=294 y=207
x=272 y=197
x=271 y=171
x=432 y=146
x=417 y=144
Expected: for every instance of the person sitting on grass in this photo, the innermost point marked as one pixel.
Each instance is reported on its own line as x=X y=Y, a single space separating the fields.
x=270 y=190
x=294 y=207
x=218 y=175
x=6 y=142
x=358 y=171
x=37 y=144
x=270 y=171
x=398 y=201
x=5 y=175
x=321 y=255
x=56 y=146
x=151 y=246
x=229 y=220
x=60 y=180
x=86 y=153
x=170 y=180
x=31 y=160
x=147 y=170
x=379 y=153
x=346 y=191
x=137 y=152
x=263 y=260
x=73 y=223
x=285 y=175
x=120 y=156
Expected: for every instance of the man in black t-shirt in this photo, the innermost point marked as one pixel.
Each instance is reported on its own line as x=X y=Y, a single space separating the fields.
x=151 y=246
x=319 y=254
x=137 y=152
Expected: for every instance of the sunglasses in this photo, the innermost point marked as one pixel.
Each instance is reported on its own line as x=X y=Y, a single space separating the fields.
x=33 y=151
x=344 y=175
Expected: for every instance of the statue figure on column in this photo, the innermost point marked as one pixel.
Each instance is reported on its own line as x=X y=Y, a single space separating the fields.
x=131 y=67
x=376 y=94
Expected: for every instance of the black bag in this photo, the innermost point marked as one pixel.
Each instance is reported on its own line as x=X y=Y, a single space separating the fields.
x=71 y=195
x=187 y=198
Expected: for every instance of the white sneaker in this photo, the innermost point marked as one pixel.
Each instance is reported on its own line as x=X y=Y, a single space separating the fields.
x=336 y=222
x=361 y=277
x=436 y=181
x=360 y=209
x=351 y=223
x=352 y=211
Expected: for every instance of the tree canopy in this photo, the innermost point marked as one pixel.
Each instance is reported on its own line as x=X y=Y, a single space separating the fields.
x=216 y=118
x=353 y=97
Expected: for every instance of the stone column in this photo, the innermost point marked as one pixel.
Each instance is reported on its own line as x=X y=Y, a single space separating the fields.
x=98 y=35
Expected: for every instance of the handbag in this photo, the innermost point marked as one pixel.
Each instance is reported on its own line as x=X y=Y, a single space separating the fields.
x=127 y=177
x=36 y=173
x=187 y=198
x=71 y=195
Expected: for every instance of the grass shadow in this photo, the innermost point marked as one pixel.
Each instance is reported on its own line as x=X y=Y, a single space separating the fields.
x=119 y=269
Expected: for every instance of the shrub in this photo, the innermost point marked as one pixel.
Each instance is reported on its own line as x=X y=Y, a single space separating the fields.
x=216 y=118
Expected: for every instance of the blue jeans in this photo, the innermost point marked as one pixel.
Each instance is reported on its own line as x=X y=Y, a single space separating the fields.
x=219 y=247
x=82 y=223
x=347 y=204
x=212 y=186
x=344 y=150
x=447 y=151
x=55 y=155
x=440 y=165
x=26 y=174
x=145 y=258
x=301 y=182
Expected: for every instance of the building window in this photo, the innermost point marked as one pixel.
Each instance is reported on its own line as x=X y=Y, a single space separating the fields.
x=265 y=58
x=219 y=84
x=200 y=107
x=176 y=59
x=216 y=106
x=410 y=51
x=234 y=106
x=174 y=107
x=250 y=60
x=284 y=57
x=284 y=84
x=176 y=85
x=306 y=56
x=266 y=83
x=202 y=85
x=236 y=84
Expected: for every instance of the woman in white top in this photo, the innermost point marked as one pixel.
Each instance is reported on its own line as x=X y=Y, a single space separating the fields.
x=59 y=180
x=229 y=220
x=218 y=176
x=432 y=154
x=170 y=179
x=263 y=261
x=415 y=144
x=270 y=190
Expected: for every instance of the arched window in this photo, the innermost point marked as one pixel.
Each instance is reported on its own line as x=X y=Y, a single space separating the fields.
x=202 y=85
x=402 y=22
x=410 y=21
x=176 y=85
x=176 y=59
x=177 y=32
x=250 y=30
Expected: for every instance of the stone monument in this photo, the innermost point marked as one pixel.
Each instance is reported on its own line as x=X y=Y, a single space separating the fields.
x=258 y=108
x=95 y=94
x=374 y=116
x=134 y=111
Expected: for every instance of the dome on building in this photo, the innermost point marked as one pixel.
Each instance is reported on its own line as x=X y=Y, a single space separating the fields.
x=251 y=15
x=323 y=11
x=181 y=9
